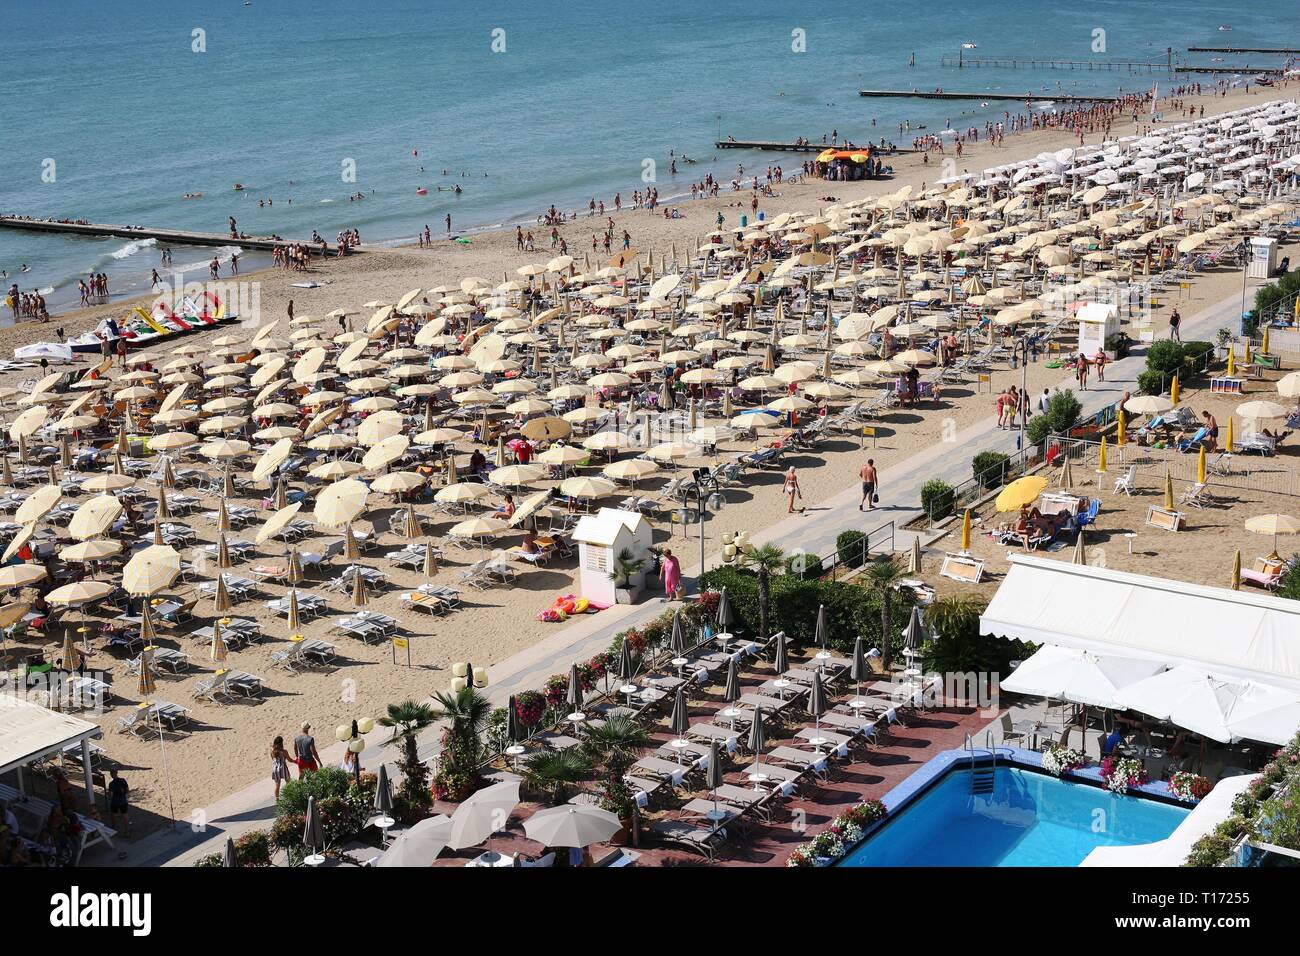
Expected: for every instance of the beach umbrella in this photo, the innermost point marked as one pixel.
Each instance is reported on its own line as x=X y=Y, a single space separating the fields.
x=1200 y=464
x=1121 y=428
x=1228 y=441
x=626 y=665
x=79 y=593
x=295 y=617
x=220 y=596
x=1101 y=456
x=152 y=570
x=1260 y=410
x=359 y=596
x=574 y=695
x=420 y=845
x=71 y=653
x=1169 y=491
x=295 y=572
x=1236 y=570
x=1173 y=391
x=223 y=517
x=820 y=632
x=217 y=652
x=1288 y=386
x=411 y=525
x=227 y=484
x=725 y=615
x=430 y=561
x=965 y=532
x=782 y=661
x=351 y=550
x=223 y=552
x=1080 y=551
x=384 y=792
x=679 y=722
x=281 y=494
x=1274 y=524
x=1021 y=492
x=21 y=575
x=481 y=814
x=514 y=732
x=1148 y=405
x=731 y=690
x=914 y=633
x=340 y=503
x=6 y=471
x=146 y=684
x=572 y=826
x=230 y=856
x=311 y=834
x=817 y=706
x=148 y=633
x=38 y=504
x=95 y=517
x=757 y=736
x=858 y=670
x=677 y=637
x=277 y=522
x=914 y=556
x=1067 y=474
x=713 y=775
x=108 y=482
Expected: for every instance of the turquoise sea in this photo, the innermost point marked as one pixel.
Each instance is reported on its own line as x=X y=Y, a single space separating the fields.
x=114 y=111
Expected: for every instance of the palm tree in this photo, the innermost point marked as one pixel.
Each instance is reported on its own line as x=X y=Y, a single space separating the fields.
x=882 y=577
x=407 y=720
x=765 y=558
x=468 y=711
x=616 y=744
x=552 y=770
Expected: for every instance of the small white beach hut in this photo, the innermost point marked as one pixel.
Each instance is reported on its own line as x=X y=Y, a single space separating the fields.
x=1098 y=321
x=601 y=538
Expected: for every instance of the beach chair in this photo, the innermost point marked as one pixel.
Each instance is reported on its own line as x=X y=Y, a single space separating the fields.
x=704 y=841
x=1194 y=496
x=1220 y=464
x=962 y=567
x=1257 y=444
x=1089 y=515
x=1165 y=520
x=1127 y=481
x=291 y=657
x=1193 y=443
x=1265 y=572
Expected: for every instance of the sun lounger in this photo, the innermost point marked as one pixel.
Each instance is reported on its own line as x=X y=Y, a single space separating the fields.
x=429 y=603
x=1265 y=573
x=704 y=841
x=668 y=770
x=962 y=567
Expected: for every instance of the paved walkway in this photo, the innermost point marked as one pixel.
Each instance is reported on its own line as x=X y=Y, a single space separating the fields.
x=813 y=531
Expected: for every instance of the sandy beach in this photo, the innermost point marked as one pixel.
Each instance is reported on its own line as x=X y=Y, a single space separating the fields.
x=227 y=746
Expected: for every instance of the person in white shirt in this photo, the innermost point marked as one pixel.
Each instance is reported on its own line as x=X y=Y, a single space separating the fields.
x=1043 y=401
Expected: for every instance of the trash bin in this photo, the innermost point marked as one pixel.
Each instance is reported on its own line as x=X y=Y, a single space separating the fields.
x=744 y=221
x=761 y=216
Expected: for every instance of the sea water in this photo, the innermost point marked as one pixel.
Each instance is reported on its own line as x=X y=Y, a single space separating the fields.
x=112 y=112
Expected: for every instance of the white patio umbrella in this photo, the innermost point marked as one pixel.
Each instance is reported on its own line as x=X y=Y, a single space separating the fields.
x=482 y=814
x=420 y=845
x=574 y=826
x=1077 y=675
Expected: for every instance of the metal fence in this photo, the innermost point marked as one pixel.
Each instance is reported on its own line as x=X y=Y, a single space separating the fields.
x=845 y=559
x=972 y=489
x=1241 y=472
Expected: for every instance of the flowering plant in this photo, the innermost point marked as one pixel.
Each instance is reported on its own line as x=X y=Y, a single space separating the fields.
x=530 y=707
x=1057 y=760
x=556 y=689
x=1122 y=773
x=1186 y=785
x=838 y=838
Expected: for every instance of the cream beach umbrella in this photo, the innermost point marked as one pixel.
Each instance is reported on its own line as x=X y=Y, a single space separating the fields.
x=752 y=421
x=513 y=476
x=332 y=441
x=379 y=426
x=272 y=458
x=152 y=570
x=95 y=517
x=563 y=455
x=221 y=595
x=277 y=522
x=96 y=550
x=529 y=507
x=225 y=449
x=334 y=470
x=1274 y=524
x=547 y=428
x=16 y=543
x=38 y=504
x=915 y=357
x=461 y=493
x=1288 y=386
x=1148 y=405
x=21 y=575
x=674 y=451
x=481 y=527
x=397 y=483
x=386 y=452
x=80 y=593
x=108 y=482
x=587 y=487
x=1259 y=410
x=572 y=826
x=607 y=441
x=632 y=469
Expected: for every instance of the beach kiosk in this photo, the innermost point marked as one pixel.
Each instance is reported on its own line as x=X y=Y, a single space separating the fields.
x=1263 y=257
x=601 y=538
x=1098 y=321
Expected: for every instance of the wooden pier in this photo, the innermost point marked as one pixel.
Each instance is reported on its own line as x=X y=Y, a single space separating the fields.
x=179 y=237
x=962 y=62
x=1016 y=97
x=1280 y=51
x=1246 y=68
x=776 y=146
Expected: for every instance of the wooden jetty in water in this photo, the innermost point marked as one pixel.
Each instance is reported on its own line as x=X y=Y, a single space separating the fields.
x=1016 y=97
x=179 y=237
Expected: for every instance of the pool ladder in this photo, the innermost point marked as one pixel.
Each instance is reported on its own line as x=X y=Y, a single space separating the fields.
x=982 y=775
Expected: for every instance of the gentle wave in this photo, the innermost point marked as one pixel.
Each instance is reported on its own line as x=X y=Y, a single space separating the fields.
x=131 y=248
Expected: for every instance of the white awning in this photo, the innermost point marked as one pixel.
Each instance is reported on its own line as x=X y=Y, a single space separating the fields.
x=1230 y=634
x=29 y=731
x=1078 y=675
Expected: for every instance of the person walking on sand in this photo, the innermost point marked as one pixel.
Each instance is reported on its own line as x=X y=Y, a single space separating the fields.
x=279 y=765
x=870 y=481
x=670 y=572
x=118 y=803
x=1175 y=320
x=305 y=753
x=791 y=489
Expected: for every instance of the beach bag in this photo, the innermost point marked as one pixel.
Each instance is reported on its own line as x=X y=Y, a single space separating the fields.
x=875 y=499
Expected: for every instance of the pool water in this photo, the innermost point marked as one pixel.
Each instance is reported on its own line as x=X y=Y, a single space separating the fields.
x=1030 y=819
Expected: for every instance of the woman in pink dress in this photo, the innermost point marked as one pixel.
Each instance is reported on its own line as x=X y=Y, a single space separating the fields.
x=670 y=571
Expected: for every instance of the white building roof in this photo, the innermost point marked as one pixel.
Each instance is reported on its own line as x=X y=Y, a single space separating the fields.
x=29 y=731
x=1224 y=632
x=603 y=527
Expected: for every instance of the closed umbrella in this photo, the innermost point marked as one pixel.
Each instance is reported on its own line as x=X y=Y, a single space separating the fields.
x=725 y=616
x=713 y=778
x=757 y=737
x=146 y=685
x=680 y=721
x=430 y=562
x=731 y=691
x=677 y=639
x=782 y=660
x=295 y=618
x=223 y=552
x=858 y=670
x=514 y=732
x=817 y=707
x=221 y=597
x=1080 y=551
x=383 y=792
x=311 y=835
x=230 y=857
x=218 y=650
x=626 y=665
x=821 y=630
x=574 y=696
x=359 y=596
x=295 y=573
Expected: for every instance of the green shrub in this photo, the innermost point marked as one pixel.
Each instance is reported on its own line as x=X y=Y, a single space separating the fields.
x=850 y=545
x=254 y=848
x=1063 y=411
x=1192 y=351
x=936 y=499
x=325 y=783
x=1151 y=383
x=804 y=565
x=1210 y=850
x=987 y=466
x=1290 y=586
x=1039 y=427
x=1165 y=356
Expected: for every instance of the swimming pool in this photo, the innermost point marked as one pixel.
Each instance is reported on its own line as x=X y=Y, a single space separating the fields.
x=1029 y=819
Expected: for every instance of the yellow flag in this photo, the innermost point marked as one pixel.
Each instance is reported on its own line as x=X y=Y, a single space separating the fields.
x=1101 y=455
x=965 y=531
x=1263 y=346
x=1169 y=492
x=1228 y=441
x=1232 y=367
x=1200 y=465
x=1173 y=390
x=1121 y=426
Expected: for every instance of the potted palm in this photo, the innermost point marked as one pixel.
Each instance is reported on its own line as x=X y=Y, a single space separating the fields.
x=626 y=567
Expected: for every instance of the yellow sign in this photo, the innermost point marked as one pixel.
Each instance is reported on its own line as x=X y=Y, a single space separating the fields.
x=869 y=429
x=400 y=642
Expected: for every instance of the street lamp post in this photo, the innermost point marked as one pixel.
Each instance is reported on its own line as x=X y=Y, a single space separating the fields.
x=706 y=492
x=353 y=735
